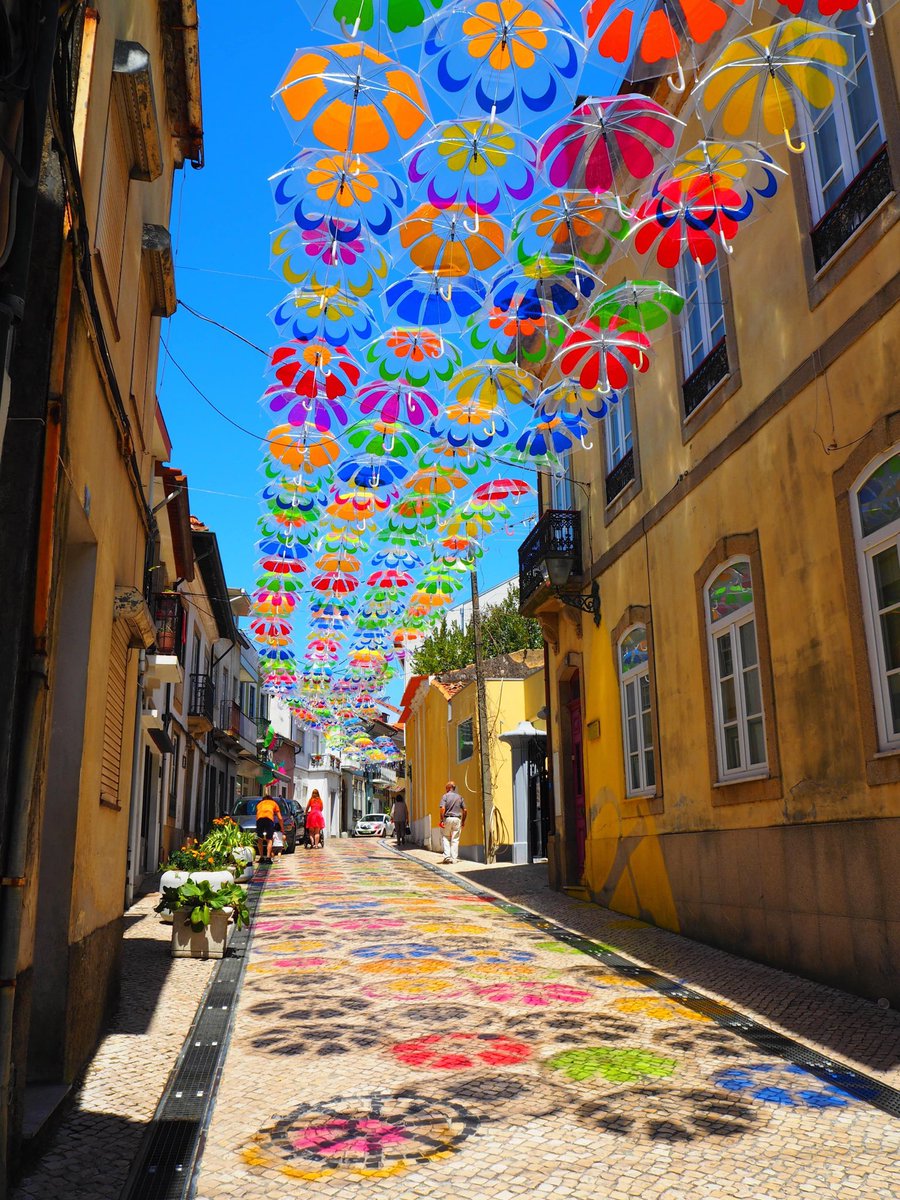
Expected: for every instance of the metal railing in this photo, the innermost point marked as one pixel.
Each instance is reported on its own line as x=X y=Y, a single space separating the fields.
x=857 y=202
x=324 y=762
x=202 y=697
x=620 y=476
x=168 y=614
x=558 y=531
x=701 y=382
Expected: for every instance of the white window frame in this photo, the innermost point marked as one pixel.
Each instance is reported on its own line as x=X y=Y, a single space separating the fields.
x=866 y=549
x=459 y=725
x=732 y=625
x=626 y=681
x=694 y=289
x=562 y=492
x=618 y=431
x=840 y=108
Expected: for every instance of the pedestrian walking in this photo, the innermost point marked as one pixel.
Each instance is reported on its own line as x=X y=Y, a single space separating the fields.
x=315 y=819
x=268 y=816
x=453 y=818
x=400 y=817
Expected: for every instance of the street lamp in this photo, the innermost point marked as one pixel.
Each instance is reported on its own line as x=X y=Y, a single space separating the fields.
x=559 y=565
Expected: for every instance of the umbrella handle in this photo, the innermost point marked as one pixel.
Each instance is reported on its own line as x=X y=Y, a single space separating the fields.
x=677 y=83
x=586 y=445
x=621 y=209
x=473 y=228
x=446 y=295
x=349 y=33
x=867 y=17
x=794 y=147
x=726 y=245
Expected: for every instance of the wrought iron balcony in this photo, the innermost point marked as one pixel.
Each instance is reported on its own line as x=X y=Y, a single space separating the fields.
x=201 y=702
x=851 y=209
x=620 y=476
x=168 y=615
x=324 y=762
x=711 y=371
x=557 y=532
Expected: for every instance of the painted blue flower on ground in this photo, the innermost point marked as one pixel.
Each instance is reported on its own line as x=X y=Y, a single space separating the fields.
x=786 y=1084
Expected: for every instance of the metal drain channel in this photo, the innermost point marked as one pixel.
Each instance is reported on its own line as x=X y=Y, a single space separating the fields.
x=165 y=1164
x=769 y=1041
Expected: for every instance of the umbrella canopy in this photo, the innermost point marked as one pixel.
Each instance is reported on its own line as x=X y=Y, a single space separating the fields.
x=316 y=186
x=762 y=78
x=502 y=489
x=610 y=142
x=306 y=452
x=515 y=58
x=351 y=98
x=645 y=305
x=398 y=402
x=368 y=19
x=324 y=315
x=334 y=253
x=389 y=579
x=484 y=166
x=446 y=242
x=576 y=225
x=601 y=358
x=383 y=439
x=425 y=298
x=417 y=354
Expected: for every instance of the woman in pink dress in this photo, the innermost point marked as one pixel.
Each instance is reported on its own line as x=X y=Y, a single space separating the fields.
x=315 y=819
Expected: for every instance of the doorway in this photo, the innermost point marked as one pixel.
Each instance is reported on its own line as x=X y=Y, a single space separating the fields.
x=538 y=799
x=572 y=763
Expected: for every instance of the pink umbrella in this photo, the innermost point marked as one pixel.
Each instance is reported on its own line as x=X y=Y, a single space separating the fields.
x=607 y=139
x=393 y=402
x=502 y=489
x=389 y=579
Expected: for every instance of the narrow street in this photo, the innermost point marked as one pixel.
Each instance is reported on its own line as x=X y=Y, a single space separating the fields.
x=399 y=1035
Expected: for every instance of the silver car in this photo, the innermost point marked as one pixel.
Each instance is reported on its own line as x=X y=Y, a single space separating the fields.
x=374 y=825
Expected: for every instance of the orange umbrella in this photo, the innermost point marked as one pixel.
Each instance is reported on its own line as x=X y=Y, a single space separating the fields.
x=447 y=242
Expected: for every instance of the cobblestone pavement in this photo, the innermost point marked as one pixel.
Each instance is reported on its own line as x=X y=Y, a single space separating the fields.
x=91 y=1152
x=398 y=1036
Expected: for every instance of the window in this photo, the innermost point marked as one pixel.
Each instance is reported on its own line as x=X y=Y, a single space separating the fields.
x=111 y=213
x=618 y=440
x=465 y=744
x=637 y=721
x=852 y=132
x=734 y=665
x=877 y=527
x=703 y=328
x=562 y=495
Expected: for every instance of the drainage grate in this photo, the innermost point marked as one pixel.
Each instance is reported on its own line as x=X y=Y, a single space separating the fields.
x=855 y=1083
x=164 y=1167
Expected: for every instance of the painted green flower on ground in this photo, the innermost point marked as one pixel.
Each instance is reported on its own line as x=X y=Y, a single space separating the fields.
x=618 y=1066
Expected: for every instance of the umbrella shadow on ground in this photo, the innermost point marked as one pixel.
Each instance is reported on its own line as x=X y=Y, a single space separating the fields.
x=669 y=1112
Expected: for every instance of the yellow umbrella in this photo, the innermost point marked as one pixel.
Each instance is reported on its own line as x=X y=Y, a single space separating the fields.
x=767 y=74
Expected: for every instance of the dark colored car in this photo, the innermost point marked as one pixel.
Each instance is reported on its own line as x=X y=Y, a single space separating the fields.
x=245 y=815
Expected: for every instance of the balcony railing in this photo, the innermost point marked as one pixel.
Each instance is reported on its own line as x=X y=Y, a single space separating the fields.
x=324 y=762
x=202 y=698
x=229 y=717
x=620 y=476
x=168 y=614
x=557 y=532
x=852 y=208
x=711 y=370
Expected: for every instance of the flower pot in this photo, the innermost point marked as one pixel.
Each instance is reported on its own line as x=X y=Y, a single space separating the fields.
x=209 y=942
x=170 y=879
x=242 y=854
x=216 y=878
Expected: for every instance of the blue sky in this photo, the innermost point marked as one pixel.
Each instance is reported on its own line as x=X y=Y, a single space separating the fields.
x=221 y=219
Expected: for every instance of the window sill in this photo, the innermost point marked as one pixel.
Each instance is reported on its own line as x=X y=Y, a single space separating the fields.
x=883 y=767
x=646 y=804
x=746 y=790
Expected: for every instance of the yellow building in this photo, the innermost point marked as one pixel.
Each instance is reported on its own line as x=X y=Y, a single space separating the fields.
x=725 y=746
x=102 y=280
x=443 y=743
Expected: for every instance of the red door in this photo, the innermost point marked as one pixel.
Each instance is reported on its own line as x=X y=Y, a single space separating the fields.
x=579 y=822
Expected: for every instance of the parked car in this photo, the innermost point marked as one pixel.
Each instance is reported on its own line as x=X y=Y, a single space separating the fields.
x=374 y=825
x=245 y=815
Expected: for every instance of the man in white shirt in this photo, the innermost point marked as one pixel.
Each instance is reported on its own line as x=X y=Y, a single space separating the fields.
x=453 y=818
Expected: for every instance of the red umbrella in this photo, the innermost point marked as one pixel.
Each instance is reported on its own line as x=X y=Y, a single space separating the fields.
x=502 y=489
x=389 y=579
x=337 y=582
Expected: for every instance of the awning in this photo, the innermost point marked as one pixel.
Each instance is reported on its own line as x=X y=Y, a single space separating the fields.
x=161 y=740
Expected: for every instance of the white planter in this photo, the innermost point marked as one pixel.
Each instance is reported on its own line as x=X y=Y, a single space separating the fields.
x=170 y=879
x=177 y=878
x=209 y=942
x=215 y=878
x=246 y=875
x=242 y=854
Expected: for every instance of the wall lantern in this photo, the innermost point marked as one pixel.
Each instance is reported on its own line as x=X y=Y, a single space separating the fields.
x=559 y=564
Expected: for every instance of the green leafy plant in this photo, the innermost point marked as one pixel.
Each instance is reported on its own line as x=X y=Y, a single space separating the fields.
x=201 y=899
x=503 y=630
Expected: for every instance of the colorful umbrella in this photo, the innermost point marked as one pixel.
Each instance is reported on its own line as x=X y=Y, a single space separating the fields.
x=446 y=242
x=574 y=225
x=306 y=453
x=397 y=559
x=609 y=142
x=693 y=215
x=368 y=19
x=335 y=253
x=269 y=603
x=336 y=583
x=515 y=58
x=490 y=385
x=652 y=36
x=435 y=481
x=483 y=166
x=600 y=357
x=392 y=403
x=351 y=98
x=389 y=579
x=365 y=470
x=502 y=489
x=316 y=186
x=326 y=315
x=417 y=354
x=571 y=403
x=382 y=440
x=640 y=305
x=764 y=76
x=424 y=298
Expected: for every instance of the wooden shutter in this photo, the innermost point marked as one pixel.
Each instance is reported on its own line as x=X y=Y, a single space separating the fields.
x=114 y=719
x=113 y=206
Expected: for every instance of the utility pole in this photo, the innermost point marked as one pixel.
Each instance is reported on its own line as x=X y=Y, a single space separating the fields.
x=484 y=749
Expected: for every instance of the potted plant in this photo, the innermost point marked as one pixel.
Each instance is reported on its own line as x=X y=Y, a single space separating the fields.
x=196 y=861
x=233 y=844
x=202 y=915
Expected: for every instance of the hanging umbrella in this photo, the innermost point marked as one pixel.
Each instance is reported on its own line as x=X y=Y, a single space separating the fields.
x=576 y=225
x=370 y=19
x=502 y=489
x=276 y=583
x=397 y=559
x=320 y=410
x=642 y=305
x=336 y=583
x=466 y=521
x=361 y=505
x=691 y=215
x=515 y=58
x=271 y=627
x=316 y=186
x=334 y=253
x=543 y=441
x=326 y=315
x=269 y=603
x=610 y=142
x=514 y=333
x=435 y=481
x=351 y=98
x=393 y=403
x=480 y=165
x=442 y=453
x=305 y=367
x=490 y=385
x=651 y=37
x=571 y=403
x=308 y=451
x=559 y=284
x=276 y=547
x=764 y=76
x=475 y=426
x=447 y=242
x=337 y=562
x=389 y=579
x=600 y=358
x=368 y=471
x=424 y=298
x=382 y=440
x=416 y=354
x=868 y=11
